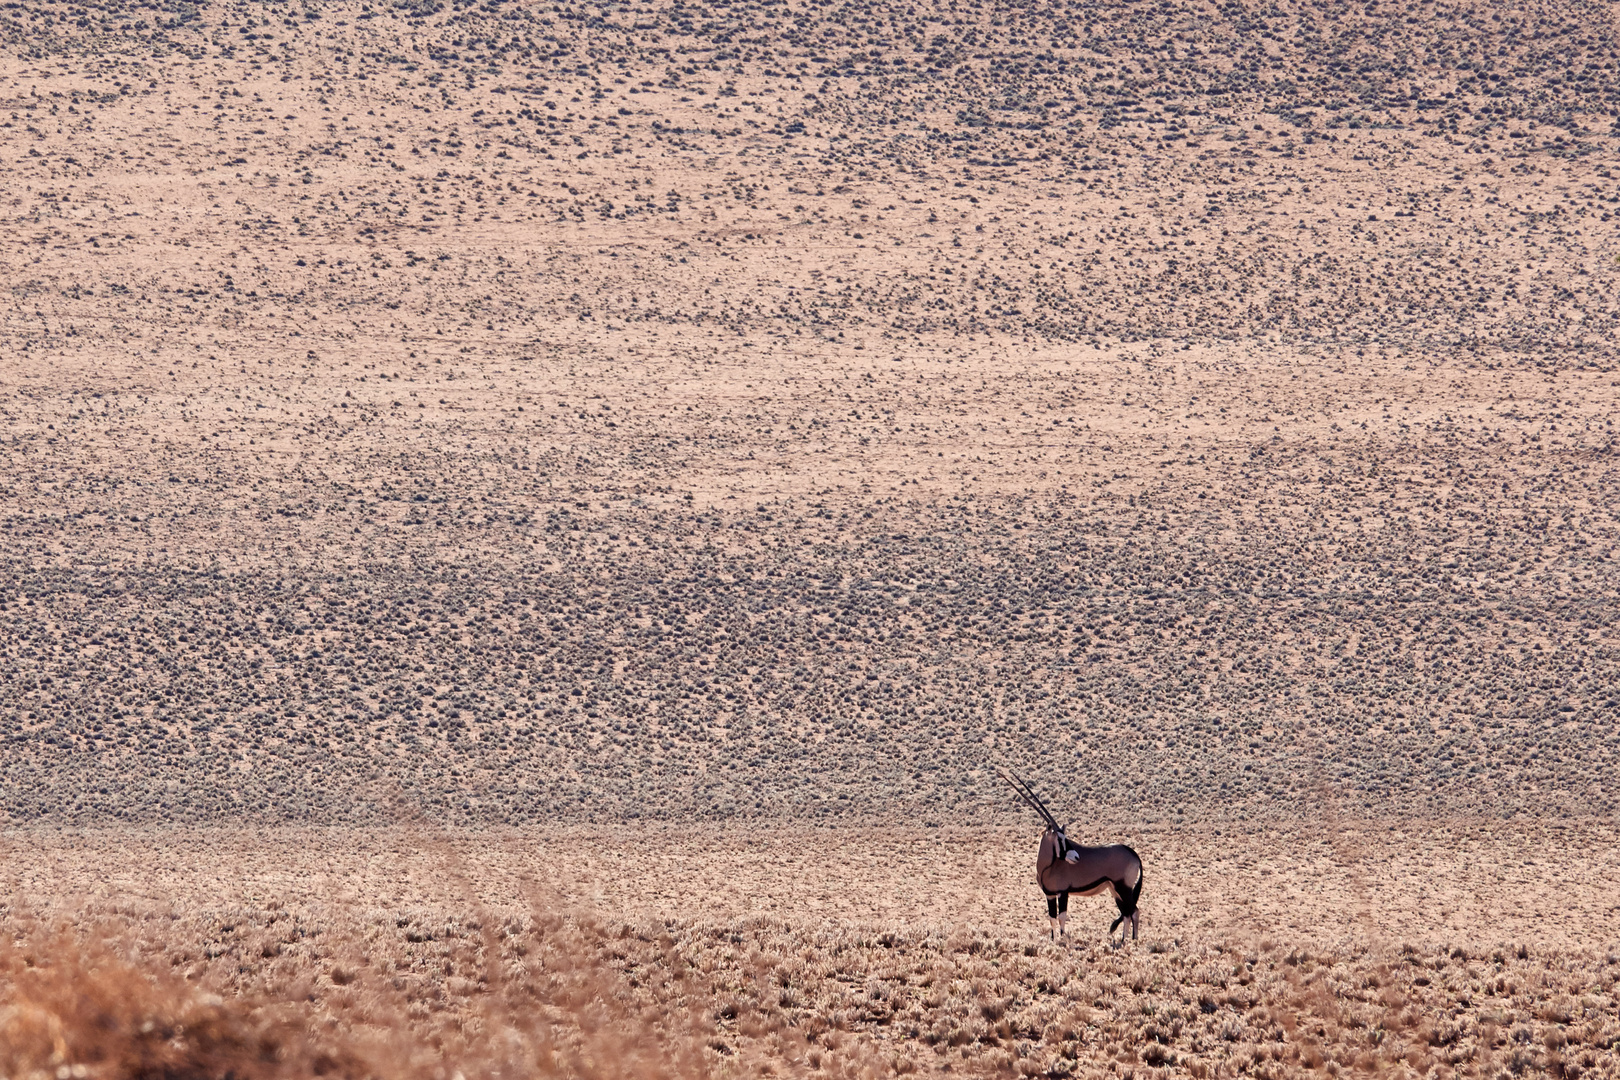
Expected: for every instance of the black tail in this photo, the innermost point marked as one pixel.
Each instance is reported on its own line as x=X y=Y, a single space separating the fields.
x=1127 y=900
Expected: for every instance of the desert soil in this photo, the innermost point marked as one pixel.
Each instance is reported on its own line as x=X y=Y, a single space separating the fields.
x=514 y=413
x=849 y=951
x=708 y=436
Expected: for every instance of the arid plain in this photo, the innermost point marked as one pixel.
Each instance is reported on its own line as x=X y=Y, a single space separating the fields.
x=524 y=529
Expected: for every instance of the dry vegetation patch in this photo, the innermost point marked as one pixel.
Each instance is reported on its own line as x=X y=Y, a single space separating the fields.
x=523 y=416
x=538 y=994
x=512 y=413
x=413 y=954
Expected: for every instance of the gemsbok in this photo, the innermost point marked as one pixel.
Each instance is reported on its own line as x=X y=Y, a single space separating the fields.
x=1063 y=867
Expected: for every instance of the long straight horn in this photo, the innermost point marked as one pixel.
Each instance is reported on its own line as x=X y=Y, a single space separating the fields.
x=1045 y=810
x=1029 y=797
x=1022 y=797
x=1034 y=800
x=1023 y=792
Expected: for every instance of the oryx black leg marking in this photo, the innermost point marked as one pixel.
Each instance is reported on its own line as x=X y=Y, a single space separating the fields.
x=1057 y=904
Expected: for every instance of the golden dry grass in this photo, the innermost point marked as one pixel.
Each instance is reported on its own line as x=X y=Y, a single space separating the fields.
x=71 y=1001
x=412 y=955
x=554 y=996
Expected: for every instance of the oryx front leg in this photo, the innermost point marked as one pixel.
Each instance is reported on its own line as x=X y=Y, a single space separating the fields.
x=1057 y=913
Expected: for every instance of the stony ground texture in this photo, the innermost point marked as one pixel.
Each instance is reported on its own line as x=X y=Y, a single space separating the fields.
x=525 y=528
x=520 y=412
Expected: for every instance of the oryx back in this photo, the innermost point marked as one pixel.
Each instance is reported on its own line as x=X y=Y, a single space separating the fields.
x=1092 y=868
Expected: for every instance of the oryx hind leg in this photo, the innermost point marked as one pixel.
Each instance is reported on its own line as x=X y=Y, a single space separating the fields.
x=1113 y=888
x=1127 y=897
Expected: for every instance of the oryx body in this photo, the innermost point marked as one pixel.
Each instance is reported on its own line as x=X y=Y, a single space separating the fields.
x=1063 y=867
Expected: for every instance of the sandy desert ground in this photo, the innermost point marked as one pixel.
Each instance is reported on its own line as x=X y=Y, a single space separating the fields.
x=845 y=952
x=453 y=454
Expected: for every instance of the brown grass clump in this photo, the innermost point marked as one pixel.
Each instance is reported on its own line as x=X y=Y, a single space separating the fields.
x=584 y=997
x=831 y=953
x=70 y=1008
x=76 y=1005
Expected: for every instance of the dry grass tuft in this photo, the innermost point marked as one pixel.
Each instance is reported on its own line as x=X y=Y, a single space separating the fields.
x=71 y=1008
x=74 y=1005
x=553 y=996
x=413 y=955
